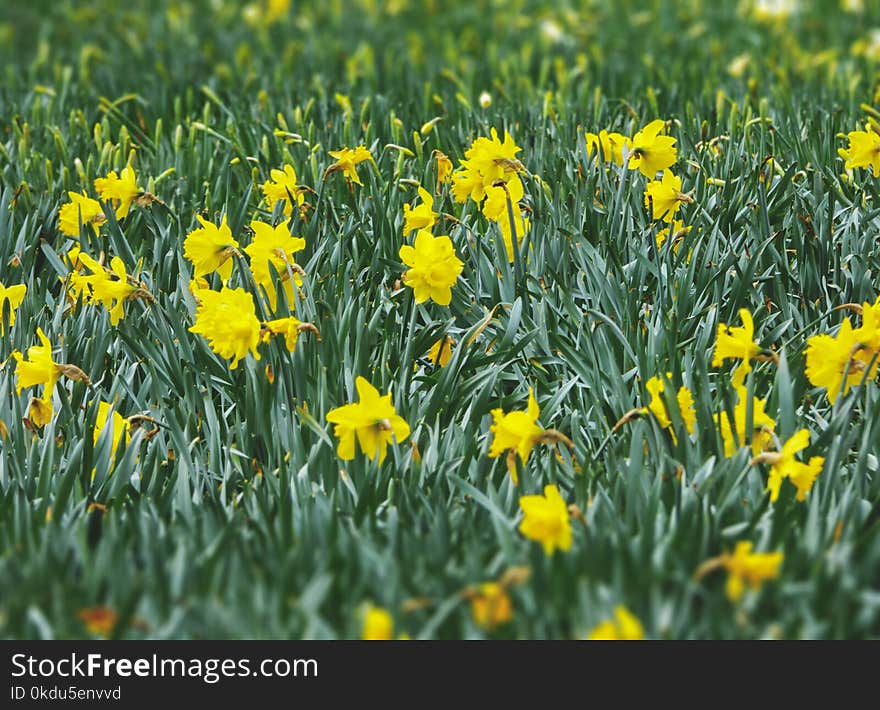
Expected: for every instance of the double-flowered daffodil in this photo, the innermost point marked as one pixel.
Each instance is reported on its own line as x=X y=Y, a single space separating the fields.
x=487 y=161
x=434 y=268
x=227 y=320
x=372 y=421
x=491 y=170
x=546 y=520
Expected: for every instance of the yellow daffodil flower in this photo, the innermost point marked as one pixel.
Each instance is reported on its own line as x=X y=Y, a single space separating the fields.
x=624 y=626
x=441 y=351
x=652 y=151
x=608 y=146
x=434 y=268
x=373 y=421
x=120 y=427
x=491 y=606
x=762 y=423
x=676 y=231
x=736 y=343
x=863 y=151
x=39 y=368
x=281 y=186
x=657 y=406
x=119 y=190
x=110 y=288
x=81 y=208
x=444 y=167
x=467 y=182
x=852 y=351
x=378 y=624
x=783 y=464
x=210 y=248
x=347 y=159
x=487 y=161
x=14 y=295
x=40 y=410
x=290 y=328
x=495 y=205
x=227 y=320
x=749 y=568
x=275 y=245
x=664 y=196
x=546 y=520
x=516 y=430
x=421 y=217
x=494 y=159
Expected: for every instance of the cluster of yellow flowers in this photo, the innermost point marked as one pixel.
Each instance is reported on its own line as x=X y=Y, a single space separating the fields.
x=848 y=359
x=111 y=287
x=649 y=151
x=489 y=175
x=490 y=603
x=89 y=281
x=434 y=266
x=119 y=191
x=830 y=363
x=227 y=319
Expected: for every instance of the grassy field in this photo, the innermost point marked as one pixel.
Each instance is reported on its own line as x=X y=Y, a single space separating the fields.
x=221 y=502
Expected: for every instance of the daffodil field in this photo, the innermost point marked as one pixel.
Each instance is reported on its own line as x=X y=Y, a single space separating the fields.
x=440 y=320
